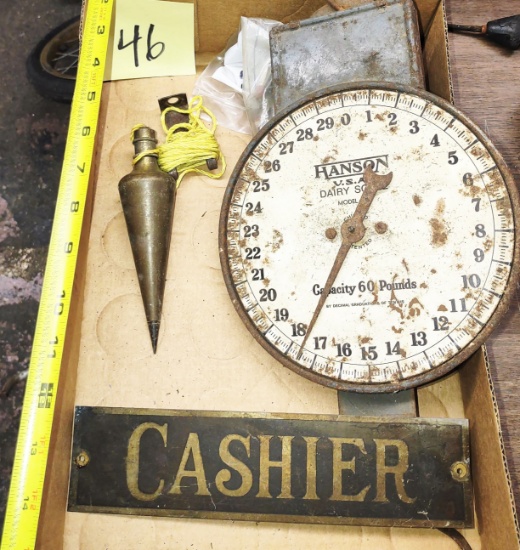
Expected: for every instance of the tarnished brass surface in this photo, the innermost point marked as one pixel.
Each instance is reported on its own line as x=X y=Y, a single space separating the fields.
x=148 y=199
x=290 y=468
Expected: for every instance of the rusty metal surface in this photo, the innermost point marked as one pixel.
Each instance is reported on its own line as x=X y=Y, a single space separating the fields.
x=236 y=271
x=285 y=468
x=179 y=101
x=373 y=42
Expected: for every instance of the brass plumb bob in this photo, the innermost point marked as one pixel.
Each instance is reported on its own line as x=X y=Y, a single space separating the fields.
x=148 y=199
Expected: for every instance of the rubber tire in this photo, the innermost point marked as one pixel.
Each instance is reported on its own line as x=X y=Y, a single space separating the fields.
x=46 y=84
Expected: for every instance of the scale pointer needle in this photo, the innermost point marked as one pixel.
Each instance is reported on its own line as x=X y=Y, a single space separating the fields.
x=352 y=231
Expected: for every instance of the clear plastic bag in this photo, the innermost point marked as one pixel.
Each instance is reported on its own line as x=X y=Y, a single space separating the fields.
x=221 y=98
x=257 y=70
x=236 y=84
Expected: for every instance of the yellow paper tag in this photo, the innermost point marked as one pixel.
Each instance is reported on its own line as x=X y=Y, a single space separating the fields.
x=151 y=38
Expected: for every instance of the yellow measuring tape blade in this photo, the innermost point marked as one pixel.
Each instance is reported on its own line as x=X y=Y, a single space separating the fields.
x=32 y=449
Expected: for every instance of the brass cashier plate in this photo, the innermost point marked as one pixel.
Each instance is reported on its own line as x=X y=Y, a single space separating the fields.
x=290 y=468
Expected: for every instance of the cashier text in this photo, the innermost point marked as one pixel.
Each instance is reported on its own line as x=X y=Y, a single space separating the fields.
x=359 y=469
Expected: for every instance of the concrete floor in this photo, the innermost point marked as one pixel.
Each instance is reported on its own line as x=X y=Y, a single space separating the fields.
x=32 y=139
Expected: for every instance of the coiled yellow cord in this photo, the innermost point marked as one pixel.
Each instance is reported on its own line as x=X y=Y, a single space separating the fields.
x=187 y=150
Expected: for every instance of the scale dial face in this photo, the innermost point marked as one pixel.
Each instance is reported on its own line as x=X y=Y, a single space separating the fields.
x=427 y=275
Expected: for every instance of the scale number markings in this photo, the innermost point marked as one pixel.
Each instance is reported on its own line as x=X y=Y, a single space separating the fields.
x=416 y=293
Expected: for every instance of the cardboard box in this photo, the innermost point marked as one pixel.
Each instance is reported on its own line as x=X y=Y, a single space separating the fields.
x=206 y=359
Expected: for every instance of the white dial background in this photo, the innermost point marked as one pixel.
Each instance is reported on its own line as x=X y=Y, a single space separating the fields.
x=431 y=269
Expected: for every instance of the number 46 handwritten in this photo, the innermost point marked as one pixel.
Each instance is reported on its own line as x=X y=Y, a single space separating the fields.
x=150 y=56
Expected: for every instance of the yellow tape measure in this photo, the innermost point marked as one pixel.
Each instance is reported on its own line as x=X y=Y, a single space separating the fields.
x=32 y=449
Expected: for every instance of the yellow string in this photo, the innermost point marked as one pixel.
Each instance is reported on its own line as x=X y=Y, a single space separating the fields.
x=188 y=150
x=134 y=130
